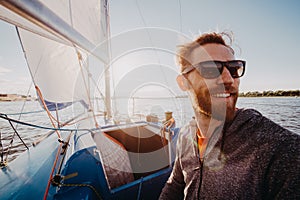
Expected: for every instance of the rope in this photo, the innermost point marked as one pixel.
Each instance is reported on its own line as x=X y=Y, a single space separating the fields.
x=166 y=127
x=34 y=143
x=24 y=113
x=2 y=162
x=12 y=139
x=97 y=115
x=152 y=44
x=52 y=171
x=23 y=106
x=62 y=147
x=43 y=127
x=64 y=152
x=47 y=110
x=79 y=185
x=180 y=15
x=85 y=84
x=15 y=132
x=56 y=111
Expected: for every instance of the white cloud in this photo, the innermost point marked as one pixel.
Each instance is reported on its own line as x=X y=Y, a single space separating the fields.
x=4 y=70
x=19 y=86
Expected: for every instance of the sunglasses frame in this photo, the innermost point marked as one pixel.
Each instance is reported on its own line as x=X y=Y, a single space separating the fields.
x=224 y=64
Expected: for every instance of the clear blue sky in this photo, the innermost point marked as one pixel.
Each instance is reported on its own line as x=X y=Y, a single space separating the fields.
x=267 y=32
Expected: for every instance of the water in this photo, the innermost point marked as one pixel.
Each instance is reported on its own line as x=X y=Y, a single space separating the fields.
x=283 y=110
x=32 y=114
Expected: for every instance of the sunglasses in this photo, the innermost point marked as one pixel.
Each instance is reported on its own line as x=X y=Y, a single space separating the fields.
x=214 y=68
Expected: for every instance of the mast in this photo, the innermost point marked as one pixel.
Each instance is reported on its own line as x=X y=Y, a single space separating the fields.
x=107 y=66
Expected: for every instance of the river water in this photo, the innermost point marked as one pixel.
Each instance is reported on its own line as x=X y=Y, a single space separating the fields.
x=283 y=110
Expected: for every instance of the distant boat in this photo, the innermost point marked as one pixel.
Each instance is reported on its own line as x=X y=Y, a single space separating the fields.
x=79 y=159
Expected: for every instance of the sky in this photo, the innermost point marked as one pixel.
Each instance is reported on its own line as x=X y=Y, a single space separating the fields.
x=266 y=36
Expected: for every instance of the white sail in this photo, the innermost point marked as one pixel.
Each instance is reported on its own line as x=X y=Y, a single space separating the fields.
x=54 y=67
x=53 y=59
x=12 y=18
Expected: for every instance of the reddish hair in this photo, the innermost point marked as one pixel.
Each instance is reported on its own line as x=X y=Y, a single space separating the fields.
x=185 y=50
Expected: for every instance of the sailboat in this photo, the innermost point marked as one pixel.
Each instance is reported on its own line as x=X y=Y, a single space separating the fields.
x=83 y=157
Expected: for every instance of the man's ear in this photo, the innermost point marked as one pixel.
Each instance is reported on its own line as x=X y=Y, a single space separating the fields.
x=182 y=82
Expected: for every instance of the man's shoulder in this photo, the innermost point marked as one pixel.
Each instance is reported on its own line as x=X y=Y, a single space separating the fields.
x=254 y=120
x=265 y=129
x=245 y=114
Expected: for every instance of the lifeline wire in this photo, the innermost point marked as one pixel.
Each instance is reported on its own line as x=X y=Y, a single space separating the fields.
x=43 y=127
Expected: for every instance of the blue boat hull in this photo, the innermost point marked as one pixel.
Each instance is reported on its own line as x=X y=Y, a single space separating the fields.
x=80 y=173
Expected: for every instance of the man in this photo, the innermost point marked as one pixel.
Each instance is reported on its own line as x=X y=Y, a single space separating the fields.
x=228 y=153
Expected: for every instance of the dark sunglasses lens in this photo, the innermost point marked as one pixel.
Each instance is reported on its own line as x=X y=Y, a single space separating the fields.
x=236 y=68
x=213 y=69
x=210 y=69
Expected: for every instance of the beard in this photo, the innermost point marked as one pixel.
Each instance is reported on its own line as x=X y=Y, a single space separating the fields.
x=220 y=110
x=203 y=108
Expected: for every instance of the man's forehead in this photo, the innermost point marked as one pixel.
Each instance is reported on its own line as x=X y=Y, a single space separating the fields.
x=211 y=52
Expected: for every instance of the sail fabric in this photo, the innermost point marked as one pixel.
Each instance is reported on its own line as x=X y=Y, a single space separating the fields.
x=59 y=68
x=88 y=18
x=54 y=67
x=12 y=18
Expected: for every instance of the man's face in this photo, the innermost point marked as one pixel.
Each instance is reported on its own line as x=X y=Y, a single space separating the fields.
x=216 y=97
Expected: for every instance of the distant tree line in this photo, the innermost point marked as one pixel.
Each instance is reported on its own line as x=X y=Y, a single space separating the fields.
x=278 y=93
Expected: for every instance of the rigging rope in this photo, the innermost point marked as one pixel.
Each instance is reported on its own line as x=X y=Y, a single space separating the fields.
x=151 y=41
x=2 y=162
x=85 y=84
x=56 y=111
x=62 y=147
x=15 y=132
x=180 y=15
x=23 y=107
x=25 y=113
x=47 y=110
x=34 y=143
x=12 y=139
x=52 y=171
x=43 y=127
x=152 y=44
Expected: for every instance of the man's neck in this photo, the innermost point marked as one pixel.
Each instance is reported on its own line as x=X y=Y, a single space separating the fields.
x=207 y=124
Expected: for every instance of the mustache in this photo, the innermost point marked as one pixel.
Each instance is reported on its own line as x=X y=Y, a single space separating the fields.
x=223 y=89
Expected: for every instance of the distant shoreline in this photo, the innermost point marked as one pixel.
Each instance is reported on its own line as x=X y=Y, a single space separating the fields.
x=15 y=97
x=278 y=93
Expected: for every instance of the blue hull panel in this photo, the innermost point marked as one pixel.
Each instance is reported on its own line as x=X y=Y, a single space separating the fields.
x=83 y=175
x=88 y=181
x=27 y=177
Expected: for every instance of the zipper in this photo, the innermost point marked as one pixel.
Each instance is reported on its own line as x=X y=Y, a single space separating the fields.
x=201 y=175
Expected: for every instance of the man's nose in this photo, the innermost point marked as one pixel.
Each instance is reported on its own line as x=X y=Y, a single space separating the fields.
x=225 y=77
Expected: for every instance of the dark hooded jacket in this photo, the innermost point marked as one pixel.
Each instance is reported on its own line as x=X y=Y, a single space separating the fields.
x=254 y=158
